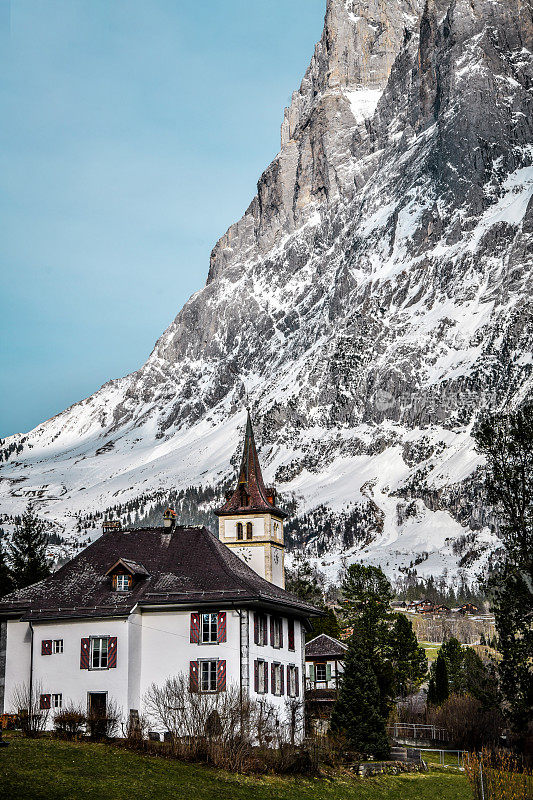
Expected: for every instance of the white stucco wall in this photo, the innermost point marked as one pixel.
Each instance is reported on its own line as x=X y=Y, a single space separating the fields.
x=151 y=647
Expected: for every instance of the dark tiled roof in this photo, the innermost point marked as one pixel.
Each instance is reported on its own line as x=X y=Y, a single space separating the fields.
x=324 y=646
x=189 y=566
x=250 y=495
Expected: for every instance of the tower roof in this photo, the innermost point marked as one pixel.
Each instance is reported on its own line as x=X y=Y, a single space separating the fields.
x=250 y=495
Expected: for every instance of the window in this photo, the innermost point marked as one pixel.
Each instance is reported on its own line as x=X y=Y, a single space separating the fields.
x=277 y=632
x=320 y=672
x=122 y=582
x=57 y=646
x=249 y=530
x=262 y=677
x=260 y=633
x=208 y=676
x=239 y=531
x=57 y=701
x=209 y=628
x=291 y=680
x=276 y=679
x=99 y=650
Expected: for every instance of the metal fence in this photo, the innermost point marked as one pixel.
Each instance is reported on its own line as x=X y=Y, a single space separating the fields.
x=407 y=730
x=447 y=758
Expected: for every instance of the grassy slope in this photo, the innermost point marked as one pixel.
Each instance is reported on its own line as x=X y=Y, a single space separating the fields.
x=46 y=769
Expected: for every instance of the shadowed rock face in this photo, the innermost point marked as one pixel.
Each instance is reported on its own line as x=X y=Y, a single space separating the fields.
x=378 y=288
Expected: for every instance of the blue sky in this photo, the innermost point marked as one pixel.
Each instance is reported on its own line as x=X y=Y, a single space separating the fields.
x=132 y=136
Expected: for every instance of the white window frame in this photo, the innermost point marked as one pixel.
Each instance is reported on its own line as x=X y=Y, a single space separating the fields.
x=57 y=646
x=324 y=679
x=212 y=664
x=291 y=681
x=262 y=629
x=122 y=578
x=277 y=680
x=206 y=637
x=56 y=700
x=277 y=626
x=100 y=650
x=262 y=676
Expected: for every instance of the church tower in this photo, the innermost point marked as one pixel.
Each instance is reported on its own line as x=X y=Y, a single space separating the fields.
x=250 y=522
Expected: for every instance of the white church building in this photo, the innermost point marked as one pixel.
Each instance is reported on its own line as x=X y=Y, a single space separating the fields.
x=139 y=606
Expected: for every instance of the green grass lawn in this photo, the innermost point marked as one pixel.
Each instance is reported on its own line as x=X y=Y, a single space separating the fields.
x=432 y=650
x=48 y=769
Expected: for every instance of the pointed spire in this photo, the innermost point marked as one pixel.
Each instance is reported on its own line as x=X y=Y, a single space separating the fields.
x=250 y=494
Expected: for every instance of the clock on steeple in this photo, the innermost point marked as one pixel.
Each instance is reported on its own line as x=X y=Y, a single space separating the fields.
x=250 y=522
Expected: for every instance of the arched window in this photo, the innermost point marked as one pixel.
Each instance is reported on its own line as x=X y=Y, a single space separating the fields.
x=249 y=530
x=239 y=531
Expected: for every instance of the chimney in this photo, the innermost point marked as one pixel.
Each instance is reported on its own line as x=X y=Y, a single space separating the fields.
x=169 y=518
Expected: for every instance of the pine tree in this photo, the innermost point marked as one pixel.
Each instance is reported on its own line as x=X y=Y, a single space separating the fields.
x=454 y=654
x=356 y=712
x=6 y=583
x=27 y=551
x=409 y=660
x=506 y=441
x=367 y=596
x=438 y=688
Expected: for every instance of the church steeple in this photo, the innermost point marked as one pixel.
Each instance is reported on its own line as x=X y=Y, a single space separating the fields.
x=250 y=493
x=250 y=521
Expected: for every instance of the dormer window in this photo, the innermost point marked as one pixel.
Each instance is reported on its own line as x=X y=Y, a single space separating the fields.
x=123 y=582
x=124 y=573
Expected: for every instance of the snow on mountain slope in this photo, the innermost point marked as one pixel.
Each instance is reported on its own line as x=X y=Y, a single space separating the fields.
x=375 y=295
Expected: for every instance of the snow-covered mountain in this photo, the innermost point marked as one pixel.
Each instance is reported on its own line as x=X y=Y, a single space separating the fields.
x=375 y=295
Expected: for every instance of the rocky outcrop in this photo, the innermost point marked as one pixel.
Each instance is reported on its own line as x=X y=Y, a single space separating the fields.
x=375 y=295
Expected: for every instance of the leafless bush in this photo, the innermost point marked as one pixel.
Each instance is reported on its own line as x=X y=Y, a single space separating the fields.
x=469 y=725
x=103 y=724
x=33 y=718
x=69 y=722
x=497 y=775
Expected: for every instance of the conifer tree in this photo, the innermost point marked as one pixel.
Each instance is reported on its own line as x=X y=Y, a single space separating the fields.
x=409 y=660
x=367 y=596
x=356 y=713
x=27 y=551
x=506 y=441
x=6 y=583
x=438 y=688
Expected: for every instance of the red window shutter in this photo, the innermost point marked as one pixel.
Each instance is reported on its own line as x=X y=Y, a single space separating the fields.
x=44 y=702
x=112 y=652
x=272 y=678
x=256 y=675
x=297 y=681
x=221 y=675
x=282 y=680
x=84 y=655
x=290 y=629
x=256 y=628
x=221 y=626
x=193 y=676
x=46 y=647
x=195 y=628
x=272 y=631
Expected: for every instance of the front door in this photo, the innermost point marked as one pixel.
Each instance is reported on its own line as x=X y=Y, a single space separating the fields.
x=97 y=704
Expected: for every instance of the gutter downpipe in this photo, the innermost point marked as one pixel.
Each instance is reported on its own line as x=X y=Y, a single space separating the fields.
x=30 y=703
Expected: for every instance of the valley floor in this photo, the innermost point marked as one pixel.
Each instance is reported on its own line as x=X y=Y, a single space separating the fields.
x=48 y=769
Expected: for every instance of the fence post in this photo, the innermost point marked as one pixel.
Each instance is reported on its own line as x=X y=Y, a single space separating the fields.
x=481 y=777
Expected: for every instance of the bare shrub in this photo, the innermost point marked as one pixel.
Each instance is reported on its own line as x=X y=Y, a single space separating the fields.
x=469 y=725
x=497 y=775
x=69 y=722
x=104 y=724
x=33 y=719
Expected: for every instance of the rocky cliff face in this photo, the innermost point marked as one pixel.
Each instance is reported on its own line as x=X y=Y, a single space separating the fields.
x=373 y=297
